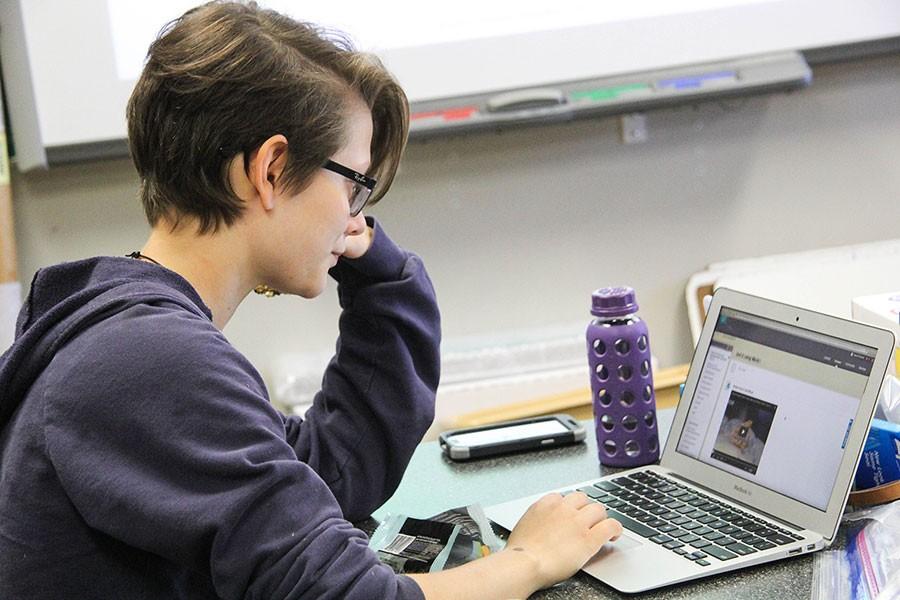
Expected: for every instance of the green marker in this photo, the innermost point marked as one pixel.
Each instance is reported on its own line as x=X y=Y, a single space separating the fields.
x=610 y=93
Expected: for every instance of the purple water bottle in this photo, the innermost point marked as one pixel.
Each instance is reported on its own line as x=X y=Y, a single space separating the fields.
x=618 y=351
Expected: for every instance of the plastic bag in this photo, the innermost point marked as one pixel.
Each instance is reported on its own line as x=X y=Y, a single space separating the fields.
x=869 y=567
x=444 y=541
x=889 y=400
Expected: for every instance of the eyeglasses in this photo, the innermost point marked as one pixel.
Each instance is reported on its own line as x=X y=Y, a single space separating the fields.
x=362 y=185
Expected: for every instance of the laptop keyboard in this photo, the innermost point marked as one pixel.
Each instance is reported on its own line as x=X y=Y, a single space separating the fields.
x=681 y=519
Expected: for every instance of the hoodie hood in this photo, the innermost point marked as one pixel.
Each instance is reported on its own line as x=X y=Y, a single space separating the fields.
x=67 y=298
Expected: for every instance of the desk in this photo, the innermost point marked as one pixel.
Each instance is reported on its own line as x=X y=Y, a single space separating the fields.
x=433 y=484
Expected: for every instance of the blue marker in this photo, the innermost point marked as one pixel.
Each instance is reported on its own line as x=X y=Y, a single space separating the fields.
x=697 y=81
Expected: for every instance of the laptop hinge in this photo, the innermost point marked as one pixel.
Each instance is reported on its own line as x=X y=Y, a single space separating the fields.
x=738 y=502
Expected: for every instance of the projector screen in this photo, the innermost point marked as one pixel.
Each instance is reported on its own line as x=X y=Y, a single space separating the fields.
x=69 y=67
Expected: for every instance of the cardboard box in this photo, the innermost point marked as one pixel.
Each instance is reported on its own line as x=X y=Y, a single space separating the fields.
x=881 y=310
x=880 y=462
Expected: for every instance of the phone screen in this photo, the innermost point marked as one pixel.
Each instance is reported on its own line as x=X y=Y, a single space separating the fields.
x=512 y=432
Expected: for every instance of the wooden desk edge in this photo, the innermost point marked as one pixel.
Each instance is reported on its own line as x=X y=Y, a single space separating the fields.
x=575 y=402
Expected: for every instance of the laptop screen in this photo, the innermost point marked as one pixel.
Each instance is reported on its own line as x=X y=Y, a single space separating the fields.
x=774 y=404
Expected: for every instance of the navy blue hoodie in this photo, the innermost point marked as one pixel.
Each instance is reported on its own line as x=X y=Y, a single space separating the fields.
x=140 y=457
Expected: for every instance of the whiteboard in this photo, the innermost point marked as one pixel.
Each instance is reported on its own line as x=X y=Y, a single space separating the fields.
x=69 y=67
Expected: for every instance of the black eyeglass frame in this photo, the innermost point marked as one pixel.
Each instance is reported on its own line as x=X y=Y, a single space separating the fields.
x=363 y=185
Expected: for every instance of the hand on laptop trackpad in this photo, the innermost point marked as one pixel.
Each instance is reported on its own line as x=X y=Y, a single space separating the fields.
x=623 y=544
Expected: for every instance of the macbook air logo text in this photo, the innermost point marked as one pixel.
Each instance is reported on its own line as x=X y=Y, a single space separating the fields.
x=745 y=491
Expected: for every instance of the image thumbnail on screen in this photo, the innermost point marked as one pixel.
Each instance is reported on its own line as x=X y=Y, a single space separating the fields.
x=744 y=430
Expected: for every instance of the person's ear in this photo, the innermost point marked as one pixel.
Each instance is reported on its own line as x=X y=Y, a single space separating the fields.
x=266 y=168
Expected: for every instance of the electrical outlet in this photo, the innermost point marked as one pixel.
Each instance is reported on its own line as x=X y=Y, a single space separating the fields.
x=634 y=128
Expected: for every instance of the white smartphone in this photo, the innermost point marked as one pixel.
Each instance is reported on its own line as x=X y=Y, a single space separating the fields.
x=534 y=433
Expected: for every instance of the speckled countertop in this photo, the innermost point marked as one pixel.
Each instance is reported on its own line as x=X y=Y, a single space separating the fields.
x=433 y=484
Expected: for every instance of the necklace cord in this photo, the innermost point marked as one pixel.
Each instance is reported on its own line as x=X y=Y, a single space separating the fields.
x=261 y=289
x=137 y=255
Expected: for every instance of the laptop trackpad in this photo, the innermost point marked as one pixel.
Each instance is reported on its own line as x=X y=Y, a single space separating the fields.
x=623 y=544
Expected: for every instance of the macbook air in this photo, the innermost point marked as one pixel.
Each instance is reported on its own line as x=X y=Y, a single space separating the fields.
x=758 y=463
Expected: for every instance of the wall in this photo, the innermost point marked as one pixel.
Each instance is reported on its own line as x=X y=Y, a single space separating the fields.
x=518 y=227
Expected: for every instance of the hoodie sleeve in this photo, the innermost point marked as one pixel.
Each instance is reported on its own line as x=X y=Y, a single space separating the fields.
x=163 y=439
x=378 y=393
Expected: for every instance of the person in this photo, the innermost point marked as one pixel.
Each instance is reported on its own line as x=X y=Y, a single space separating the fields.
x=140 y=455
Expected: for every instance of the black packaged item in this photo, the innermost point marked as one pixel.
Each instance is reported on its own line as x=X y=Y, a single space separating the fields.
x=452 y=538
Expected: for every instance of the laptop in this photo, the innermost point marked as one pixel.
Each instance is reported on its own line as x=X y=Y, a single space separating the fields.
x=758 y=463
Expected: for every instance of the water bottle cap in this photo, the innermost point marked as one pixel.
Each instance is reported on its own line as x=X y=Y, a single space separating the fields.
x=613 y=302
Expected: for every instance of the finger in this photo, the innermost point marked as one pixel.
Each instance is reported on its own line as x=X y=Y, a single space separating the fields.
x=551 y=498
x=576 y=499
x=618 y=535
x=546 y=503
x=606 y=530
x=591 y=513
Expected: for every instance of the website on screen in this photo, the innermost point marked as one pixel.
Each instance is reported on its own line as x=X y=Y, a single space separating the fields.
x=774 y=405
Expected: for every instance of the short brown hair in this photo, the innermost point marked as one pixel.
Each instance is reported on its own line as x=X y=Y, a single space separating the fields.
x=226 y=76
